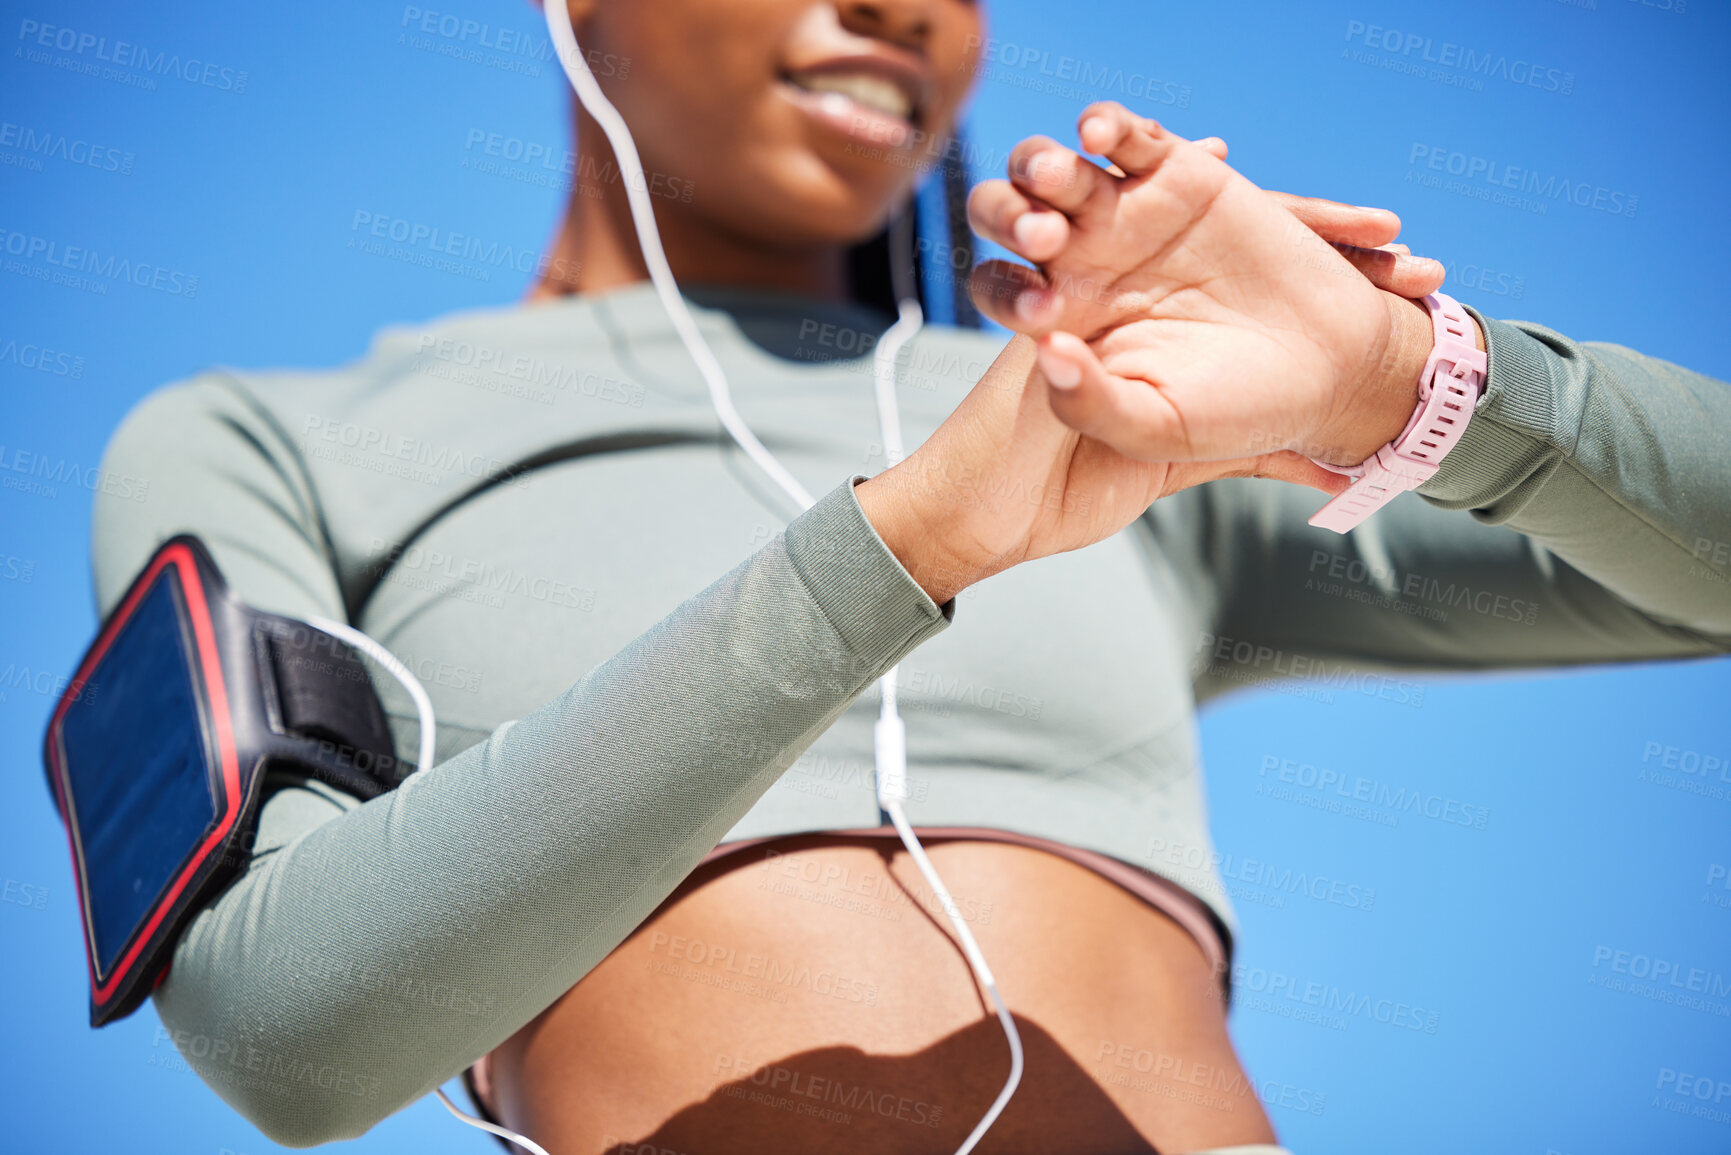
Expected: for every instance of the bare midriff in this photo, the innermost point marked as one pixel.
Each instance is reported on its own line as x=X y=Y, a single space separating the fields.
x=808 y=995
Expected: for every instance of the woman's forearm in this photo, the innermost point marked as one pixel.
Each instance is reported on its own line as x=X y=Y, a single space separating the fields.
x=372 y=957
x=1614 y=461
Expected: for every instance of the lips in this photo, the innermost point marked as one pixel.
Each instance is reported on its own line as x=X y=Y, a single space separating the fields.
x=869 y=98
x=874 y=91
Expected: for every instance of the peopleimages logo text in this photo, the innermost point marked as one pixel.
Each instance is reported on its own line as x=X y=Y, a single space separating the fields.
x=1070 y=76
x=1695 y=980
x=1361 y=789
x=108 y=267
x=1490 y=173
x=58 y=146
x=123 y=54
x=1447 y=54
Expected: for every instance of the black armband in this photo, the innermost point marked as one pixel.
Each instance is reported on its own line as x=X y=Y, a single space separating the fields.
x=156 y=751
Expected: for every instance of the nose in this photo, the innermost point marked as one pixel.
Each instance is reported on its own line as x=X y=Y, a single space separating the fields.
x=905 y=23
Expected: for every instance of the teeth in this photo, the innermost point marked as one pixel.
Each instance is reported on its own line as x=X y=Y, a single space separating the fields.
x=872 y=91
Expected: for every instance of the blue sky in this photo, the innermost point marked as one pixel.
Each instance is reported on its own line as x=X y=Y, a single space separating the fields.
x=248 y=172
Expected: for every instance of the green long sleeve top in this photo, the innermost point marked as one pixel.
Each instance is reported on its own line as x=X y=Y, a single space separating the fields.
x=632 y=660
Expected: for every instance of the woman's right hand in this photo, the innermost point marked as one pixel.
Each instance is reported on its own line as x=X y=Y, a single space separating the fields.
x=1003 y=481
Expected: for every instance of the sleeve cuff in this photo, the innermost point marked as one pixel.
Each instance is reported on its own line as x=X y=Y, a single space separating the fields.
x=876 y=607
x=1513 y=425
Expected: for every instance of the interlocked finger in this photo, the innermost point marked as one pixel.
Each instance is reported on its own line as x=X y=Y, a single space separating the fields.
x=1046 y=171
x=1134 y=143
x=999 y=212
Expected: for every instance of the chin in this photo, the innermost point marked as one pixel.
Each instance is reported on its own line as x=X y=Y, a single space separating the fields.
x=807 y=200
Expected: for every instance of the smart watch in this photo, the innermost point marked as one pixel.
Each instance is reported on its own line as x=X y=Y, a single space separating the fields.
x=1448 y=389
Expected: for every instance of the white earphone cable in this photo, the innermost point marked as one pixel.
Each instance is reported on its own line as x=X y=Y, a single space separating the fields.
x=526 y=1143
x=564 y=39
x=890 y=735
x=384 y=657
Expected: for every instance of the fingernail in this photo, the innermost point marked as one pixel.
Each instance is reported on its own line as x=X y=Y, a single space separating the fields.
x=1032 y=304
x=1031 y=168
x=1028 y=228
x=1059 y=372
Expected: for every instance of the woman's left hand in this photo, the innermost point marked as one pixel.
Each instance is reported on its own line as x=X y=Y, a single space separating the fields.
x=1183 y=314
x=1364 y=236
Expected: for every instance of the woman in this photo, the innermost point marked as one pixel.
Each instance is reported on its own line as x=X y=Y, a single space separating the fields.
x=638 y=668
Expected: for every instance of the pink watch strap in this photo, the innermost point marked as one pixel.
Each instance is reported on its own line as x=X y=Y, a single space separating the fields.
x=1448 y=389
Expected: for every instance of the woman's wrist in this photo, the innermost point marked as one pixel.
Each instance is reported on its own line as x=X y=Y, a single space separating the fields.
x=919 y=532
x=1383 y=403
